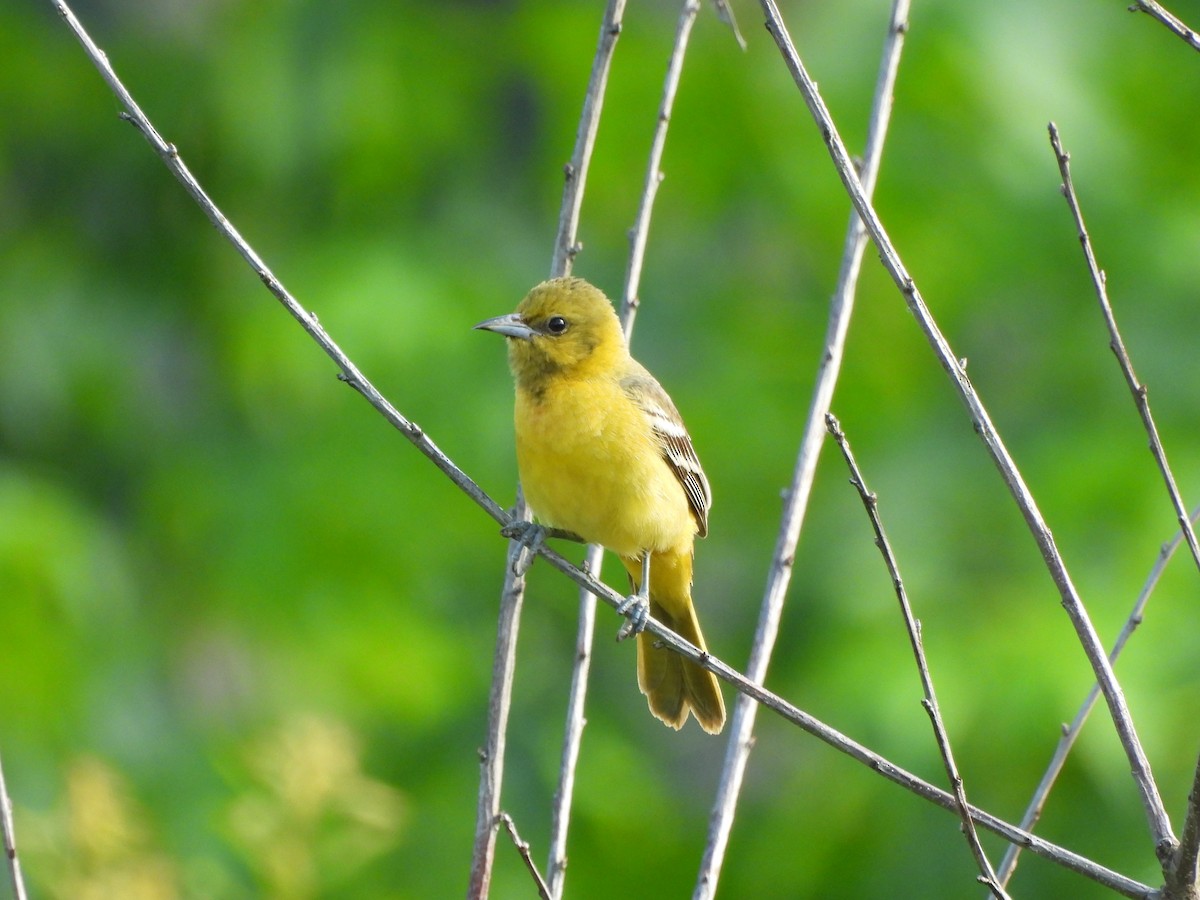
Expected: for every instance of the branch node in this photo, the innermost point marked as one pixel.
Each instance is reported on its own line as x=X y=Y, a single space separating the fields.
x=1165 y=850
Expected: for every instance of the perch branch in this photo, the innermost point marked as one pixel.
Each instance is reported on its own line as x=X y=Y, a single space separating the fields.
x=1070 y=734
x=668 y=638
x=1171 y=21
x=1156 y=815
x=10 y=841
x=741 y=728
x=871 y=503
x=585 y=633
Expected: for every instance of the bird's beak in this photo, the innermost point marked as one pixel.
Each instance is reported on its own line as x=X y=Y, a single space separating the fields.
x=512 y=326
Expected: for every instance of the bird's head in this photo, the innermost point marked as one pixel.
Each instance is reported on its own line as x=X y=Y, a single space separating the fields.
x=563 y=325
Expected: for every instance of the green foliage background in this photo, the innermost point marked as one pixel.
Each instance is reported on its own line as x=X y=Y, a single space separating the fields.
x=246 y=630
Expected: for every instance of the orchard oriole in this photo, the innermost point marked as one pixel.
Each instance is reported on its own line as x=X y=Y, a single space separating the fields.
x=603 y=452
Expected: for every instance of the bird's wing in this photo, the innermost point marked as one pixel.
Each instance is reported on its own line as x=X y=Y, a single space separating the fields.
x=673 y=440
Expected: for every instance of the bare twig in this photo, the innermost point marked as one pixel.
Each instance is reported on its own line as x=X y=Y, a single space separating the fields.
x=566 y=247
x=1183 y=876
x=491 y=755
x=1136 y=388
x=10 y=841
x=725 y=14
x=1185 y=858
x=523 y=848
x=654 y=176
x=740 y=741
x=871 y=503
x=573 y=733
x=1070 y=734
x=1156 y=815
x=1172 y=22
x=560 y=813
x=349 y=372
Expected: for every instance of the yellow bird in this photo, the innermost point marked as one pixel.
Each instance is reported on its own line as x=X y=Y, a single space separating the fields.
x=603 y=453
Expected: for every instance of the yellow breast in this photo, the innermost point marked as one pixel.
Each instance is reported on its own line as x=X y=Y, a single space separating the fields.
x=589 y=464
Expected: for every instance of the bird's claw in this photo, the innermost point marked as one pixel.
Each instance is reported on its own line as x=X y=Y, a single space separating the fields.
x=528 y=537
x=636 y=610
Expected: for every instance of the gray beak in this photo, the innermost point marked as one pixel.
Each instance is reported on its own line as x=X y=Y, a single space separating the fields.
x=512 y=326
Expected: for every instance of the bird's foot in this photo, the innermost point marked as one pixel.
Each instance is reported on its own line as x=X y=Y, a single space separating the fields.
x=636 y=610
x=529 y=538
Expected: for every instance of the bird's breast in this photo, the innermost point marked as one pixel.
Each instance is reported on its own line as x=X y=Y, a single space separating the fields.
x=589 y=464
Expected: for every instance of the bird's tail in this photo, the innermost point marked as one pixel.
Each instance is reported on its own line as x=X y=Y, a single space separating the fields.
x=673 y=685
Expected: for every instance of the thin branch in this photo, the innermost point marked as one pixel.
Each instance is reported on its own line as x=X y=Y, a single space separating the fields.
x=10 y=841
x=871 y=503
x=640 y=232
x=523 y=848
x=573 y=732
x=1136 y=388
x=349 y=372
x=741 y=730
x=566 y=246
x=491 y=755
x=1185 y=858
x=1070 y=733
x=1156 y=815
x=725 y=15
x=560 y=813
x=1183 y=879
x=1172 y=22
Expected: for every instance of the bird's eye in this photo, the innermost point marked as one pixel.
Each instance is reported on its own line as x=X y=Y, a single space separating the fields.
x=556 y=325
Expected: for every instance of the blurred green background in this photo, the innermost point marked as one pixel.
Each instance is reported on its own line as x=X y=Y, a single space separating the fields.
x=246 y=630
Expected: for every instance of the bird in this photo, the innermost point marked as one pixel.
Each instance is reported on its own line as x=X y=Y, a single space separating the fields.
x=603 y=453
